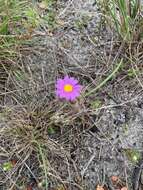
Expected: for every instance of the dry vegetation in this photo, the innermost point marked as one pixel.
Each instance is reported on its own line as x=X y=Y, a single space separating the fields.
x=94 y=142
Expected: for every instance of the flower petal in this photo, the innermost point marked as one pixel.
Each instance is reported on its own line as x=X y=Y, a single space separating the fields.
x=68 y=81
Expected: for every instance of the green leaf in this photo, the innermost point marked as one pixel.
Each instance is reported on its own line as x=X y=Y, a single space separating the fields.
x=51 y=131
x=96 y=104
x=7 y=166
x=133 y=155
x=4 y=28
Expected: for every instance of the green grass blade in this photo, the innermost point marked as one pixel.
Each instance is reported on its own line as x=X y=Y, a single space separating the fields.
x=105 y=80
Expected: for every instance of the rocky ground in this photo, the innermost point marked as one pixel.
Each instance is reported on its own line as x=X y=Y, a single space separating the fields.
x=105 y=140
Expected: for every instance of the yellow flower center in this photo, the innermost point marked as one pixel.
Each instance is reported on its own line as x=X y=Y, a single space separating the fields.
x=68 y=88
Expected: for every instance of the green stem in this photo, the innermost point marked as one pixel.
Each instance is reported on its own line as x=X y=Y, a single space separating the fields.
x=43 y=162
x=106 y=79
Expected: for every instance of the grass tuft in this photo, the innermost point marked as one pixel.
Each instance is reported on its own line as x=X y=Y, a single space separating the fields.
x=124 y=16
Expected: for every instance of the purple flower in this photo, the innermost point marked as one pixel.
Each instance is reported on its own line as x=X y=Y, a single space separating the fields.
x=68 y=88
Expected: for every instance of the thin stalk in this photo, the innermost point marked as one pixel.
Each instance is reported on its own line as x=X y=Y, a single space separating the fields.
x=105 y=80
x=44 y=163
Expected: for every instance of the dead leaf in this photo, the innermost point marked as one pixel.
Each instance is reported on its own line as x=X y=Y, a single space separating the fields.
x=124 y=188
x=42 y=5
x=99 y=187
x=114 y=178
